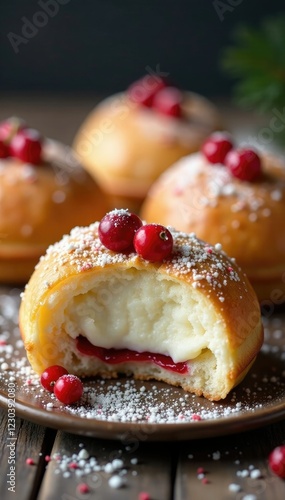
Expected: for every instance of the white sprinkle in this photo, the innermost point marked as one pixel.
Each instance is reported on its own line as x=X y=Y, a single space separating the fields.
x=116 y=482
x=255 y=474
x=243 y=473
x=117 y=464
x=83 y=454
x=108 y=468
x=228 y=189
x=216 y=455
x=218 y=247
x=276 y=195
x=234 y=487
x=198 y=277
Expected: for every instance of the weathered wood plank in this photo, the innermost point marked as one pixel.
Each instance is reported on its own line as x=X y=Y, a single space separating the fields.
x=146 y=468
x=29 y=440
x=239 y=460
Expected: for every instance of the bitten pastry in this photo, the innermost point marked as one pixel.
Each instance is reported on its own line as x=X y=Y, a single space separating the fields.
x=234 y=196
x=191 y=320
x=44 y=192
x=129 y=139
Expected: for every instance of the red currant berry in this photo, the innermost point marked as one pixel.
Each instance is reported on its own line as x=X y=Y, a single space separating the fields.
x=168 y=101
x=216 y=147
x=27 y=146
x=4 y=150
x=153 y=242
x=277 y=461
x=51 y=375
x=68 y=389
x=10 y=127
x=244 y=164
x=117 y=229
x=144 y=90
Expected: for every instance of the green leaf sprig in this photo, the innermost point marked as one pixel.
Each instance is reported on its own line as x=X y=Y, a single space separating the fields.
x=256 y=60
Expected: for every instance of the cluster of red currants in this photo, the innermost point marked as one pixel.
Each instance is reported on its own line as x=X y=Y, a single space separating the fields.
x=156 y=93
x=67 y=388
x=122 y=231
x=20 y=141
x=243 y=163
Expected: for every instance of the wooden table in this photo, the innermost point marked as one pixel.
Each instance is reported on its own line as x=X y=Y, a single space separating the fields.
x=230 y=467
x=163 y=470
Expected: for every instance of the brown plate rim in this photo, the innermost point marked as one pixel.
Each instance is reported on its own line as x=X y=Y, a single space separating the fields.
x=147 y=431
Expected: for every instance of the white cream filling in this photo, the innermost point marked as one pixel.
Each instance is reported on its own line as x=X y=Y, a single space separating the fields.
x=148 y=313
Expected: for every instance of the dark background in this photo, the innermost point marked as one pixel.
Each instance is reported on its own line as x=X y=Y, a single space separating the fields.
x=102 y=46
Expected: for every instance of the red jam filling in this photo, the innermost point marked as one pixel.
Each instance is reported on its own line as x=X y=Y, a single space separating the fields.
x=116 y=356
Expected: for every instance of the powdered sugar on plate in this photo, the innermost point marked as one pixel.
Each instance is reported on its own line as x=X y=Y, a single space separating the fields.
x=147 y=404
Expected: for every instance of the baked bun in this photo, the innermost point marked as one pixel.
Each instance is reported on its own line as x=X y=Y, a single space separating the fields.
x=38 y=204
x=247 y=218
x=128 y=140
x=192 y=320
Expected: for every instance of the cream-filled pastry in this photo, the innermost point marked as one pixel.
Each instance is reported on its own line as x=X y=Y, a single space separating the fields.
x=237 y=199
x=130 y=138
x=44 y=192
x=191 y=319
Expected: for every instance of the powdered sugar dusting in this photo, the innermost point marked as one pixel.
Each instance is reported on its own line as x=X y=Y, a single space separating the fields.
x=83 y=249
x=208 y=266
x=202 y=184
x=136 y=403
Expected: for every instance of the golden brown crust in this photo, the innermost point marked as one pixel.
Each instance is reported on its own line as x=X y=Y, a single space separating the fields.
x=38 y=204
x=73 y=267
x=246 y=218
x=126 y=146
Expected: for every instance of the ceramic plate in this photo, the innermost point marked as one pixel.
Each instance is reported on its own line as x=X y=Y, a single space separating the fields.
x=128 y=410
